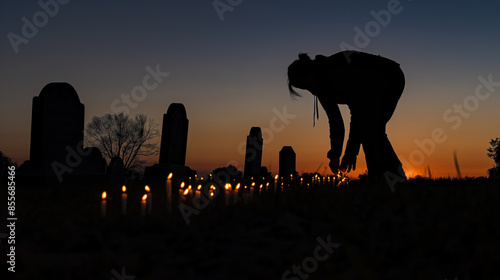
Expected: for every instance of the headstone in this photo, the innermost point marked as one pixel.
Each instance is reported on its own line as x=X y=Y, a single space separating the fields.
x=92 y=168
x=173 y=146
x=116 y=172
x=287 y=162
x=174 y=135
x=56 y=147
x=57 y=122
x=253 y=155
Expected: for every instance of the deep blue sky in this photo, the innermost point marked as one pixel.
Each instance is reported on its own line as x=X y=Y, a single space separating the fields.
x=230 y=74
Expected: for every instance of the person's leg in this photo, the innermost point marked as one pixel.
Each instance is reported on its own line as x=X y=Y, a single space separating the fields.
x=392 y=90
x=379 y=153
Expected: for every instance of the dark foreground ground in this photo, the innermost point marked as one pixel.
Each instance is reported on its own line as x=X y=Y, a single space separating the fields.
x=426 y=229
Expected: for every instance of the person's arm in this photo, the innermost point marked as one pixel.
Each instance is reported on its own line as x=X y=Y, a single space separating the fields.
x=353 y=145
x=337 y=129
x=354 y=141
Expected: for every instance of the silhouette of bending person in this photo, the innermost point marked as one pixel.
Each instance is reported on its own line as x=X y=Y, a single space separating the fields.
x=371 y=86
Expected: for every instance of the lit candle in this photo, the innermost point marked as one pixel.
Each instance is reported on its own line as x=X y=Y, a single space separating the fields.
x=169 y=193
x=211 y=192
x=235 y=194
x=246 y=194
x=227 y=193
x=103 y=204
x=198 y=192
x=184 y=194
x=181 y=191
x=143 y=204
x=124 y=200
x=150 y=199
x=275 y=183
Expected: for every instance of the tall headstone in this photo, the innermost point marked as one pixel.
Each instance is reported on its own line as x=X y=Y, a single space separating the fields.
x=56 y=147
x=174 y=135
x=173 y=146
x=287 y=162
x=57 y=122
x=253 y=155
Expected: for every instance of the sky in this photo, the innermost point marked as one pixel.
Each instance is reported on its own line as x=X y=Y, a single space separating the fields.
x=226 y=61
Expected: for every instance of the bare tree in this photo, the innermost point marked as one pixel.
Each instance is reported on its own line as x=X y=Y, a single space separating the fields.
x=118 y=135
x=494 y=153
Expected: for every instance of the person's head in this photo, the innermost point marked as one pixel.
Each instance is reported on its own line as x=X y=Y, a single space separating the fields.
x=301 y=74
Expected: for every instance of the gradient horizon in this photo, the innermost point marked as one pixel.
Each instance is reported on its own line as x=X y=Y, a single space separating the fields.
x=231 y=74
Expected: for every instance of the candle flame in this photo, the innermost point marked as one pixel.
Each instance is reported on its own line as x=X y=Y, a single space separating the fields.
x=260 y=186
x=227 y=186
x=183 y=184
x=212 y=187
x=238 y=186
x=124 y=188
x=147 y=188
x=211 y=193
x=199 y=187
x=144 y=197
x=253 y=184
x=276 y=177
x=170 y=176
x=104 y=195
x=186 y=192
x=189 y=187
x=267 y=184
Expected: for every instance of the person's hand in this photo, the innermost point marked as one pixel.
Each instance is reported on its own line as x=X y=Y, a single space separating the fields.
x=334 y=165
x=348 y=163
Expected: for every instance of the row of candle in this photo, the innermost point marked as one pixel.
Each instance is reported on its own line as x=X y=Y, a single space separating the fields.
x=231 y=194
x=146 y=202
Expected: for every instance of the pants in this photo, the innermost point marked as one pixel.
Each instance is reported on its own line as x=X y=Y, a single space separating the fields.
x=379 y=153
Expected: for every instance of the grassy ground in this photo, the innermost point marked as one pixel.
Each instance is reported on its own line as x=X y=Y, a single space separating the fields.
x=425 y=229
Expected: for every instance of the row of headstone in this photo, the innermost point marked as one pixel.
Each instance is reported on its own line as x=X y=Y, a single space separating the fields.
x=253 y=157
x=56 y=147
